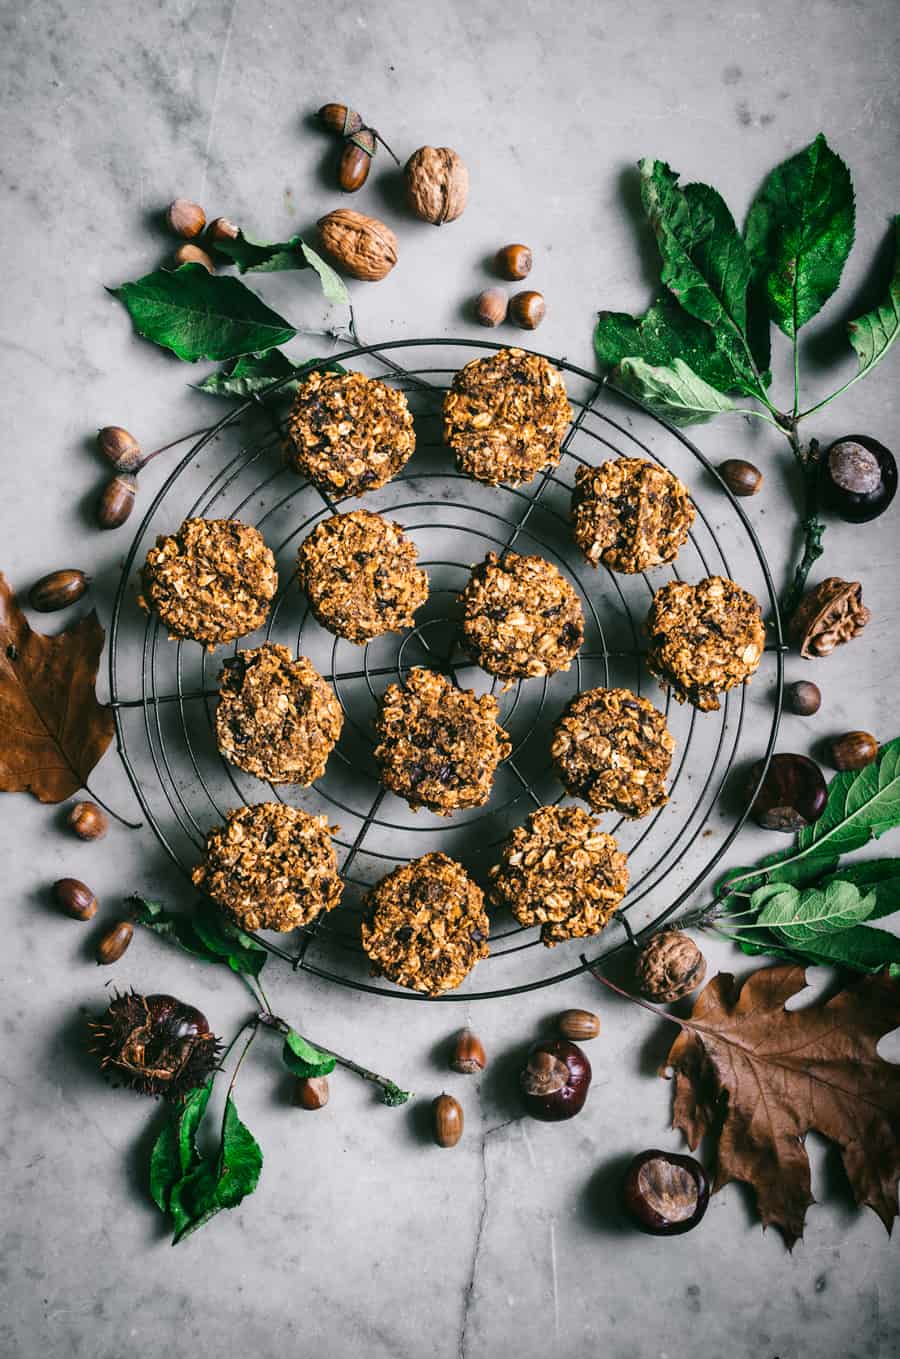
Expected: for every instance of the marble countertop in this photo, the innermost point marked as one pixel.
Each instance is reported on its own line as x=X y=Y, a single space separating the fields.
x=362 y=1237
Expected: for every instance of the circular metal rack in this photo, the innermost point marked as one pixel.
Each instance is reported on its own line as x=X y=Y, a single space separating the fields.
x=163 y=692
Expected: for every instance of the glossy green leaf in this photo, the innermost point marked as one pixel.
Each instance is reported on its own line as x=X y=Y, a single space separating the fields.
x=800 y=918
x=200 y=315
x=206 y=934
x=873 y=334
x=665 y=332
x=860 y=807
x=175 y=1149
x=333 y=286
x=799 y=233
x=674 y=391
x=256 y=372
x=259 y=257
x=882 y=878
x=223 y=1182
x=302 y=1059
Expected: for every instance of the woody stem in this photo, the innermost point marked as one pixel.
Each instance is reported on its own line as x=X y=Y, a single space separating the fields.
x=812 y=525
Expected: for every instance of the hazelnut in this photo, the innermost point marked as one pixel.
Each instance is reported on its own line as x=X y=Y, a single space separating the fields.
x=88 y=821
x=192 y=254
x=437 y=184
x=491 y=307
x=665 y=1194
x=669 y=966
x=468 y=1053
x=556 y=1080
x=793 y=793
x=75 y=898
x=340 y=119
x=57 y=590
x=578 y=1025
x=114 y=942
x=514 y=261
x=527 y=310
x=447 y=1120
x=803 y=698
x=356 y=160
x=364 y=247
x=741 y=478
x=853 y=750
x=122 y=449
x=117 y=501
x=185 y=218
x=222 y=229
x=311 y=1092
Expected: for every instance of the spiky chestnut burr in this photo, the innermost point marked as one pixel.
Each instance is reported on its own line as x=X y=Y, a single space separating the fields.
x=156 y=1045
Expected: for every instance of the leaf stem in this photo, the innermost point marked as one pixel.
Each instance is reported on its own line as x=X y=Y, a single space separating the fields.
x=812 y=525
x=182 y=439
x=253 y=1025
x=389 y=1087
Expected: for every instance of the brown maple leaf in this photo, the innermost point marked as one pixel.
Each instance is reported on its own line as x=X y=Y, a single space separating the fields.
x=52 y=728
x=763 y=1076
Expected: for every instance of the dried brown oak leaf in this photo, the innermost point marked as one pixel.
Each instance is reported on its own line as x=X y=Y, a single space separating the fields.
x=52 y=728
x=764 y=1077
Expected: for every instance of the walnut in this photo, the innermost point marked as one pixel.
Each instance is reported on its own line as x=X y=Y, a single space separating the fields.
x=827 y=616
x=437 y=184
x=669 y=966
x=364 y=247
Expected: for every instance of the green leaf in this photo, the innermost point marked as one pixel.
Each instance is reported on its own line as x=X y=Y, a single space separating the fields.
x=258 y=257
x=882 y=876
x=393 y=1096
x=675 y=391
x=302 y=1059
x=799 y=233
x=333 y=286
x=175 y=1150
x=223 y=1183
x=862 y=948
x=861 y=806
x=662 y=334
x=705 y=262
x=206 y=934
x=773 y=869
x=200 y=315
x=800 y=918
x=873 y=334
x=256 y=373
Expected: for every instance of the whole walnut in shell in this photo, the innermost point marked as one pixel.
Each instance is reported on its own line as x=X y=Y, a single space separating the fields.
x=669 y=966
x=437 y=184
x=364 y=247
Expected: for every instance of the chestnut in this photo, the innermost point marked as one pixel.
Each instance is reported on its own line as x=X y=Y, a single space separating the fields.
x=803 y=698
x=792 y=795
x=665 y=1194
x=556 y=1079
x=859 y=478
x=853 y=750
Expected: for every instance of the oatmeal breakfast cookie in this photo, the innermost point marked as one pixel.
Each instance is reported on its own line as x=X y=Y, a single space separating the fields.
x=704 y=639
x=520 y=617
x=360 y=575
x=630 y=514
x=348 y=433
x=505 y=417
x=277 y=718
x=426 y=926
x=613 y=749
x=439 y=746
x=211 y=581
x=560 y=871
x=271 y=867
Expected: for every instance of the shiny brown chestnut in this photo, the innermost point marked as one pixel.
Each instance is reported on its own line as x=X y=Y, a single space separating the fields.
x=88 y=821
x=803 y=698
x=665 y=1194
x=57 y=590
x=853 y=750
x=556 y=1080
x=114 y=942
x=792 y=795
x=741 y=477
x=75 y=898
x=579 y=1025
x=858 y=478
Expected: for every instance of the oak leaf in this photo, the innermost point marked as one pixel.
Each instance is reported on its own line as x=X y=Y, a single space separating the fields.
x=763 y=1077
x=52 y=728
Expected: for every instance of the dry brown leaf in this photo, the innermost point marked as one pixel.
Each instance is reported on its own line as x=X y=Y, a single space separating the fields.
x=764 y=1076
x=52 y=728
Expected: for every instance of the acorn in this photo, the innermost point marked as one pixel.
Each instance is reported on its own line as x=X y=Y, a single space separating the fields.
x=88 y=821
x=75 y=898
x=114 y=942
x=58 y=590
x=340 y=119
x=117 y=501
x=356 y=160
x=121 y=448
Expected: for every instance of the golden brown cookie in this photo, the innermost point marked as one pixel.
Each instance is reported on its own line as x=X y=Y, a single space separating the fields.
x=439 y=746
x=348 y=433
x=271 y=867
x=277 y=718
x=560 y=871
x=704 y=639
x=505 y=416
x=212 y=581
x=521 y=617
x=361 y=576
x=613 y=749
x=426 y=926
x=630 y=514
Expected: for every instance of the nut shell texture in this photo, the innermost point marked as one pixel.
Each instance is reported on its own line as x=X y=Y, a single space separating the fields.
x=271 y=867
x=348 y=433
x=630 y=514
x=439 y=746
x=704 y=639
x=613 y=749
x=560 y=871
x=426 y=926
x=437 y=184
x=363 y=247
x=828 y=616
x=505 y=417
x=669 y=966
x=212 y=581
x=277 y=718
x=521 y=617
x=361 y=576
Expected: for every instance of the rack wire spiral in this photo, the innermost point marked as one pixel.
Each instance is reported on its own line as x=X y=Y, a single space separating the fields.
x=163 y=692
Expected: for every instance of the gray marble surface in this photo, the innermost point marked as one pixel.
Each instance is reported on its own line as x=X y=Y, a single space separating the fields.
x=362 y=1238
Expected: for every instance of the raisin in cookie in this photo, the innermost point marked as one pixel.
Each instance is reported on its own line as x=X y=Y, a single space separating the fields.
x=521 y=617
x=704 y=639
x=630 y=514
x=613 y=749
x=348 y=433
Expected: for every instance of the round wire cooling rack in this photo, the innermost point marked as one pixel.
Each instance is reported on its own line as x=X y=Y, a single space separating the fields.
x=164 y=692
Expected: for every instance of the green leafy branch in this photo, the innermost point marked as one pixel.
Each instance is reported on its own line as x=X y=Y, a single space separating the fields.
x=706 y=339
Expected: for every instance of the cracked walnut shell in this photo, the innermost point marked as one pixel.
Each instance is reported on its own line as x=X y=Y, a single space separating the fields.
x=363 y=247
x=828 y=616
x=437 y=184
